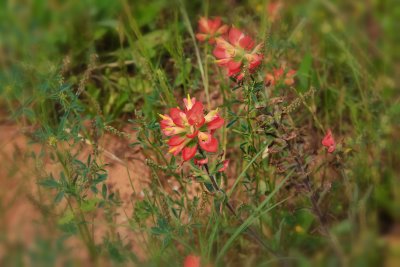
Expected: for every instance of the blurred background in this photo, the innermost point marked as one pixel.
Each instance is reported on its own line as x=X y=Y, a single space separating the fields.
x=348 y=49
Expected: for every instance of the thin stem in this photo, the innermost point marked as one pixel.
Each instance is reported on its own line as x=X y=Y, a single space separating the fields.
x=335 y=243
x=317 y=211
x=254 y=233
x=196 y=50
x=84 y=231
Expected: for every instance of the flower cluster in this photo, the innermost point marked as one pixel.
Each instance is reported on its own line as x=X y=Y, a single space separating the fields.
x=189 y=128
x=280 y=75
x=235 y=51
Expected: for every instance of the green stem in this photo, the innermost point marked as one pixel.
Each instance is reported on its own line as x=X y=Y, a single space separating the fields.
x=197 y=51
x=317 y=211
x=84 y=231
x=254 y=233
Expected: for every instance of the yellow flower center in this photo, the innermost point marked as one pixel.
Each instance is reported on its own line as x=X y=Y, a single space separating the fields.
x=203 y=137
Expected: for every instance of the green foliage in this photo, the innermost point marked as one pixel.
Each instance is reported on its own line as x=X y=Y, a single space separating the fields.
x=76 y=72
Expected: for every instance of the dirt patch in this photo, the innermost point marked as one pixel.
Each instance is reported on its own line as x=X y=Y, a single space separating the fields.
x=21 y=215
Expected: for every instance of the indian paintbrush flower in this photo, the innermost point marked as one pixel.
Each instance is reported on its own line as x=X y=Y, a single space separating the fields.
x=329 y=141
x=237 y=53
x=279 y=75
x=190 y=128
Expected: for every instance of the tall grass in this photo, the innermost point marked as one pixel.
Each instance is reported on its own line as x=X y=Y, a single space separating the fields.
x=75 y=73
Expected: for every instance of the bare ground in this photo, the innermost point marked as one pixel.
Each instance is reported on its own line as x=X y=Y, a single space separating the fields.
x=21 y=213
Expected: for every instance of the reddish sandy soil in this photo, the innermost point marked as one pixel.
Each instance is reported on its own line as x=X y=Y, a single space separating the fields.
x=21 y=219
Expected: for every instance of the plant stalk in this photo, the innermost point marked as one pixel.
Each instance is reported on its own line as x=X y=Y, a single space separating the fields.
x=253 y=232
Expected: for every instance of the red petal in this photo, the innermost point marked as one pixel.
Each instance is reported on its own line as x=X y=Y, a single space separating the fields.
x=234 y=36
x=210 y=145
x=223 y=29
x=233 y=72
x=176 y=140
x=255 y=62
x=291 y=73
x=220 y=52
x=203 y=25
x=225 y=165
x=214 y=24
x=328 y=139
x=234 y=65
x=223 y=62
x=278 y=73
x=175 y=150
x=193 y=134
x=240 y=76
x=200 y=162
x=215 y=123
x=164 y=124
x=269 y=79
x=211 y=40
x=246 y=42
x=166 y=121
x=176 y=116
x=192 y=261
x=189 y=102
x=195 y=115
x=189 y=152
x=201 y=37
x=289 y=81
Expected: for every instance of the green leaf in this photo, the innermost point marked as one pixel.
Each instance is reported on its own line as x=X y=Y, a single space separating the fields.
x=94 y=189
x=303 y=72
x=258 y=212
x=157 y=231
x=134 y=144
x=100 y=178
x=115 y=253
x=258 y=86
x=172 y=161
x=209 y=187
x=49 y=183
x=161 y=228
x=59 y=197
x=231 y=123
x=89 y=205
x=67 y=218
x=104 y=191
x=167 y=240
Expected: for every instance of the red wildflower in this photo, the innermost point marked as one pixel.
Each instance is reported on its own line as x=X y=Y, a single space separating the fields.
x=236 y=52
x=209 y=29
x=280 y=75
x=224 y=166
x=329 y=141
x=192 y=261
x=189 y=128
